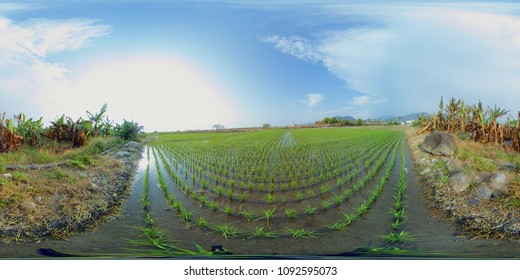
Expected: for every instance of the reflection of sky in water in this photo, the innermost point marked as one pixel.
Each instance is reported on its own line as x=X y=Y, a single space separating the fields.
x=143 y=162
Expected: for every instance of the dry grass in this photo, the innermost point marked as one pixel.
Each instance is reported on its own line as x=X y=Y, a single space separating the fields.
x=59 y=200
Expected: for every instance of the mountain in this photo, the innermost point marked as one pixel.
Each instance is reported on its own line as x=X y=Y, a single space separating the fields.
x=348 y=118
x=409 y=117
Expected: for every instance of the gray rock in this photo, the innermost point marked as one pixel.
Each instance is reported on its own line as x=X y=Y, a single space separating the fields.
x=133 y=146
x=121 y=154
x=498 y=184
x=484 y=192
x=459 y=182
x=425 y=171
x=28 y=206
x=439 y=143
x=508 y=166
x=37 y=199
x=6 y=175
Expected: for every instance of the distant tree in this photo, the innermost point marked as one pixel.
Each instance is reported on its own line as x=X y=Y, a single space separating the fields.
x=333 y=120
x=326 y=120
x=218 y=126
x=266 y=126
x=359 y=122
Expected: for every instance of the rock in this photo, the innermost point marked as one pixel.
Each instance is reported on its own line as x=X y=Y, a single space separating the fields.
x=439 y=143
x=83 y=175
x=133 y=146
x=454 y=165
x=94 y=186
x=498 y=184
x=508 y=166
x=484 y=192
x=6 y=175
x=459 y=182
x=37 y=199
x=425 y=171
x=28 y=206
x=122 y=154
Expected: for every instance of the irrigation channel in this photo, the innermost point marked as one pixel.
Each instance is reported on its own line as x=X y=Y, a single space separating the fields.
x=305 y=193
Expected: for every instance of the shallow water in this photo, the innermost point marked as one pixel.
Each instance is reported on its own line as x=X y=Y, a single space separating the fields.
x=433 y=237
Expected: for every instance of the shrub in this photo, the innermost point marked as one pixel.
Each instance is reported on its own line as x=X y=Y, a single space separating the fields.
x=129 y=130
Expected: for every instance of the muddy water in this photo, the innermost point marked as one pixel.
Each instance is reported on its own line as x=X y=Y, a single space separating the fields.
x=433 y=237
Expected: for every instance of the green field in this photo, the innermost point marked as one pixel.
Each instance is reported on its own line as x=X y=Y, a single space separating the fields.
x=275 y=183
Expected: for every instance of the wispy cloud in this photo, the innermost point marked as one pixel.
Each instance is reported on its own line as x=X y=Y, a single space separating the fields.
x=405 y=60
x=312 y=99
x=294 y=45
x=25 y=72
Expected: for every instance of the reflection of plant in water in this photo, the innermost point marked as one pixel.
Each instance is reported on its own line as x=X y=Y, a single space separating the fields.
x=260 y=232
x=300 y=232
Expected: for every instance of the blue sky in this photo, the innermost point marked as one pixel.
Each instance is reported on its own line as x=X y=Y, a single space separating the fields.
x=177 y=65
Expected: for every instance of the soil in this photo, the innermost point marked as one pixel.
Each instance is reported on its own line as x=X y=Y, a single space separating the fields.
x=477 y=216
x=63 y=199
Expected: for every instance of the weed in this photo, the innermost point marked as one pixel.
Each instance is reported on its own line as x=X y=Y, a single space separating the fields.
x=20 y=177
x=513 y=202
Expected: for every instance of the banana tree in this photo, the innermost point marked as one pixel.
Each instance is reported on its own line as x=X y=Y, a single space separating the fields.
x=97 y=120
x=495 y=133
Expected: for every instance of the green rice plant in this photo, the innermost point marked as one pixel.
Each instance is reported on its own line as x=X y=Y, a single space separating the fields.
x=227 y=230
x=311 y=210
x=228 y=210
x=219 y=190
x=202 y=199
x=185 y=215
x=270 y=198
x=402 y=236
x=283 y=187
x=338 y=199
x=248 y=214
x=283 y=199
x=272 y=187
x=177 y=205
x=337 y=226
x=261 y=233
x=202 y=222
x=231 y=194
x=268 y=214
x=242 y=196
x=326 y=204
x=299 y=196
x=348 y=219
x=213 y=205
x=290 y=213
x=293 y=184
x=300 y=232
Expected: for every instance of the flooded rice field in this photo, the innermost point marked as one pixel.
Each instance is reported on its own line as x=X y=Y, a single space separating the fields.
x=293 y=197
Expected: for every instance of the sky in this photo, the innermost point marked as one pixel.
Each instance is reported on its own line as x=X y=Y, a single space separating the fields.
x=181 y=65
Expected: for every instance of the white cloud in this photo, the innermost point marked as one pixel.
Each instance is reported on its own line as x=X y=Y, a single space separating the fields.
x=408 y=57
x=312 y=99
x=294 y=45
x=24 y=46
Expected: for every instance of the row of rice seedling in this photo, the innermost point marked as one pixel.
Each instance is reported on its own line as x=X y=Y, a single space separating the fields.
x=189 y=176
x=228 y=210
x=397 y=234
